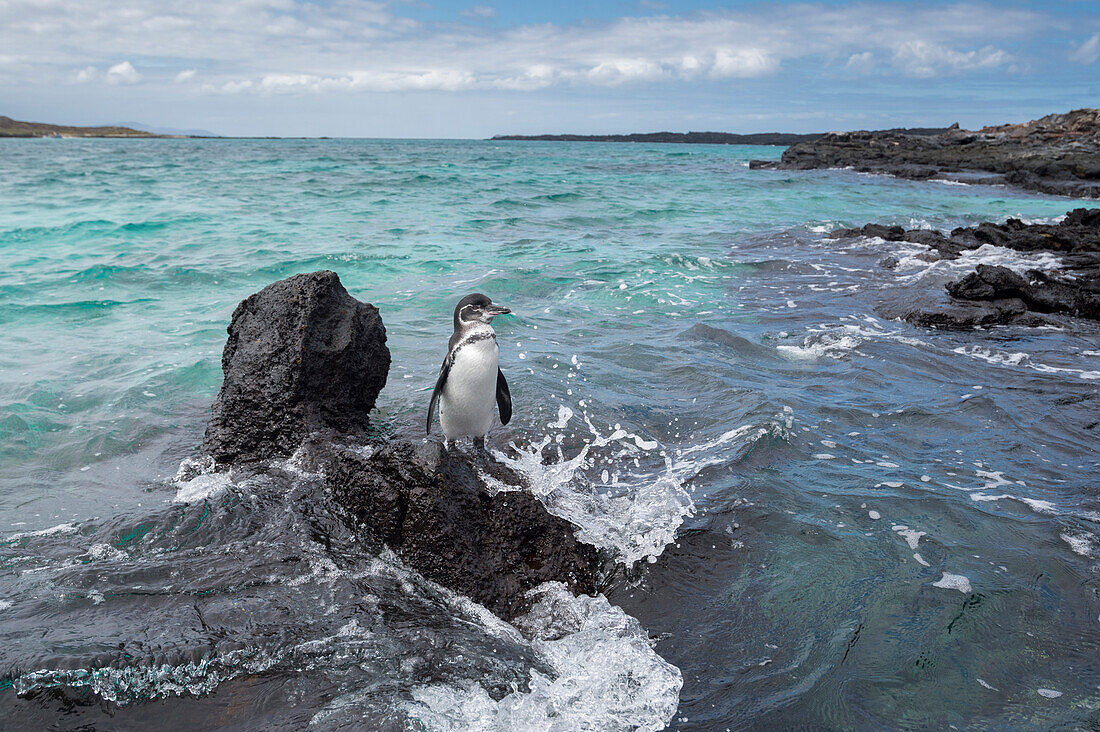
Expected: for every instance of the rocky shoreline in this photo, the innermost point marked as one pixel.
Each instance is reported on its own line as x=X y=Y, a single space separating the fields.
x=996 y=295
x=303 y=366
x=1058 y=154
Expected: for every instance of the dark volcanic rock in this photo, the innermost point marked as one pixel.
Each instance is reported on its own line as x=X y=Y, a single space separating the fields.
x=303 y=355
x=989 y=282
x=1039 y=291
x=303 y=365
x=1058 y=154
x=997 y=295
x=430 y=506
x=964 y=316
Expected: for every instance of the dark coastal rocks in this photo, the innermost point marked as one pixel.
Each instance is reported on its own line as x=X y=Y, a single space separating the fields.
x=303 y=366
x=995 y=295
x=303 y=355
x=989 y=282
x=1039 y=292
x=1057 y=154
x=960 y=315
x=431 y=507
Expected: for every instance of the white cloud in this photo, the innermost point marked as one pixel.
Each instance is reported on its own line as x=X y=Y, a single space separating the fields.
x=534 y=77
x=430 y=80
x=236 y=87
x=742 y=63
x=297 y=46
x=1087 y=52
x=86 y=74
x=861 y=63
x=123 y=73
x=480 y=11
x=924 y=59
x=618 y=71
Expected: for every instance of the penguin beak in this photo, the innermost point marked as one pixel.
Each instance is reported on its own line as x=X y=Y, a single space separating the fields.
x=494 y=309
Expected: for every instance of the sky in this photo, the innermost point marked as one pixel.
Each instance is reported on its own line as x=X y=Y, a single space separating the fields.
x=453 y=69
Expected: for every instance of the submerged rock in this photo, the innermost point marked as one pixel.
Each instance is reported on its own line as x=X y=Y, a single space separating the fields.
x=302 y=356
x=303 y=366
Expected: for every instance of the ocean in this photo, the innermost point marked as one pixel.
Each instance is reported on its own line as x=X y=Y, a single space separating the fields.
x=825 y=519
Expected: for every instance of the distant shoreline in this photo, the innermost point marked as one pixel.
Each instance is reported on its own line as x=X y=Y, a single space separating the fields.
x=1058 y=154
x=702 y=138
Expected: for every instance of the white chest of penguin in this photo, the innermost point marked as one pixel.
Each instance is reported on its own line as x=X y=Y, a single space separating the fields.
x=468 y=402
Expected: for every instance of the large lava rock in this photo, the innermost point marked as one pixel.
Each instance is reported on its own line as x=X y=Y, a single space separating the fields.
x=302 y=356
x=431 y=507
x=303 y=366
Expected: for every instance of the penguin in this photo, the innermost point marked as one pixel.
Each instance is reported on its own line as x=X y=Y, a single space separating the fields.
x=470 y=379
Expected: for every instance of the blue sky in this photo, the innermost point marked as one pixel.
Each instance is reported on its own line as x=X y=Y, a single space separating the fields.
x=442 y=68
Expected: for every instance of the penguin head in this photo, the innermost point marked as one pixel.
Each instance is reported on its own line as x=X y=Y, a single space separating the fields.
x=477 y=308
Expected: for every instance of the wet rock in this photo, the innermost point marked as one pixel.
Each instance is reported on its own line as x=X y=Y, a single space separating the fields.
x=1073 y=289
x=963 y=316
x=1057 y=154
x=433 y=509
x=989 y=283
x=1039 y=291
x=927 y=237
x=303 y=366
x=889 y=233
x=303 y=355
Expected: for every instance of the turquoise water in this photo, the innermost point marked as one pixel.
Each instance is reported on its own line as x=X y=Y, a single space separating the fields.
x=668 y=290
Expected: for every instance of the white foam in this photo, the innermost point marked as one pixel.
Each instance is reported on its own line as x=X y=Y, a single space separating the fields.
x=813 y=347
x=954 y=582
x=1022 y=359
x=606 y=676
x=68 y=528
x=986 y=685
x=911 y=536
x=5 y=604
x=921 y=560
x=647 y=503
x=1035 y=504
x=835 y=340
x=104 y=551
x=1082 y=544
x=921 y=261
x=201 y=486
x=1049 y=693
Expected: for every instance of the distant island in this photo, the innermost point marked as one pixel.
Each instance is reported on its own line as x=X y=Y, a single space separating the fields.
x=14 y=128
x=705 y=138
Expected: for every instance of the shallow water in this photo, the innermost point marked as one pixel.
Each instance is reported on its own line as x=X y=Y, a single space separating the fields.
x=856 y=523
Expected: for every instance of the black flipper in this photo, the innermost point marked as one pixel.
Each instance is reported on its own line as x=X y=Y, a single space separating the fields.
x=504 y=398
x=439 y=383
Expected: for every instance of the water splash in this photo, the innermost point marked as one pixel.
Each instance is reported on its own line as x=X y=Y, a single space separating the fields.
x=606 y=675
x=621 y=490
